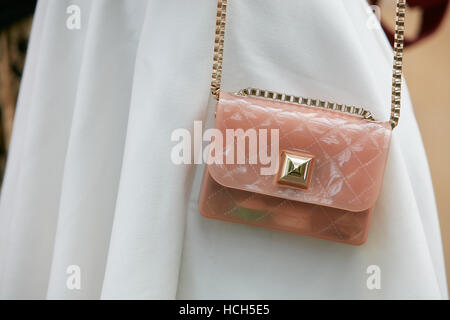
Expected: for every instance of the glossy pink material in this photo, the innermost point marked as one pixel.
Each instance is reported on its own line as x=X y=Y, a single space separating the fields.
x=350 y=157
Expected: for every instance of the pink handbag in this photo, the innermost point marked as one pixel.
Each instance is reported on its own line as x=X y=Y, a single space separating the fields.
x=330 y=157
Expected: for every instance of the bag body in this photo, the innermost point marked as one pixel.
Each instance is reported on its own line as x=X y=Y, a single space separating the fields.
x=327 y=160
x=348 y=156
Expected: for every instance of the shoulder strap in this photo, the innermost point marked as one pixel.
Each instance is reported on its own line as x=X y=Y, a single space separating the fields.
x=399 y=40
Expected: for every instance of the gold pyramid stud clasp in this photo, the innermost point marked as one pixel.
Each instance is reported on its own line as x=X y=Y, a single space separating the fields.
x=295 y=169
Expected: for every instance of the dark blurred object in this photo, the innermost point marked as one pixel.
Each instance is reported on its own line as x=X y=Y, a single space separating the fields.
x=433 y=13
x=15 y=25
x=12 y=11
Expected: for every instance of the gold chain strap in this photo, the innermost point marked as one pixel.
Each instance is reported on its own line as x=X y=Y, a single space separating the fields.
x=398 y=62
x=398 y=55
x=218 y=47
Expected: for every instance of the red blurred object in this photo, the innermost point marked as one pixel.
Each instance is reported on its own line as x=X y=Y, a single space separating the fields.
x=433 y=12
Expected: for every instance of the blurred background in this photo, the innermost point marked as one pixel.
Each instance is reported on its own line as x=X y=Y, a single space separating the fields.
x=427 y=72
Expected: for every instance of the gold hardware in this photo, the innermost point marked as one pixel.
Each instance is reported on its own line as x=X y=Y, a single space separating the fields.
x=396 y=73
x=270 y=95
x=295 y=169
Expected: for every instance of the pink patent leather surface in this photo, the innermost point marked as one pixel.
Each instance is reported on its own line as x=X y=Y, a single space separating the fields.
x=350 y=153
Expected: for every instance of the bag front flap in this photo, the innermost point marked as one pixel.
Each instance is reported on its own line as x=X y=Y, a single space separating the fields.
x=324 y=157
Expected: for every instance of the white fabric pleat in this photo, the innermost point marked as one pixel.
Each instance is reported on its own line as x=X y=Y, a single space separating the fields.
x=32 y=189
x=147 y=236
x=96 y=144
x=90 y=181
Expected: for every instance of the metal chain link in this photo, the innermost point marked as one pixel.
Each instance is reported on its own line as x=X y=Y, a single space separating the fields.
x=397 y=67
x=218 y=47
x=399 y=41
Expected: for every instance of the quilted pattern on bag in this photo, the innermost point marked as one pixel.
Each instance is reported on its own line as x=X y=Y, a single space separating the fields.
x=350 y=157
x=350 y=153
